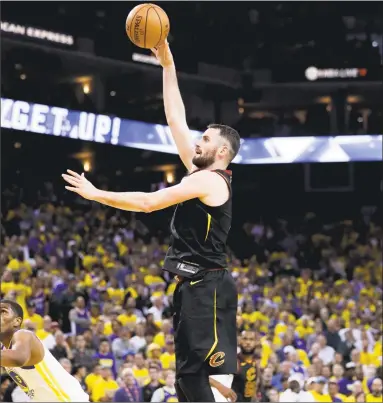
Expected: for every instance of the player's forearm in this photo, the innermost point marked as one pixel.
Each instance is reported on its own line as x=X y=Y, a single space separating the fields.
x=174 y=106
x=176 y=116
x=130 y=201
x=214 y=383
x=12 y=359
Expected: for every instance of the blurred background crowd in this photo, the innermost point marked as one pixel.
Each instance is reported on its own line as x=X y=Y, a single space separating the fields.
x=306 y=242
x=91 y=286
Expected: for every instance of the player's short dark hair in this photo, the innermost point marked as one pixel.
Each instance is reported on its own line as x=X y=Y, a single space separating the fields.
x=229 y=134
x=250 y=330
x=16 y=308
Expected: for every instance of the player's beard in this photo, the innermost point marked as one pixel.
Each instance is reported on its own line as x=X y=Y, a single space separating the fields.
x=203 y=161
x=5 y=332
x=247 y=352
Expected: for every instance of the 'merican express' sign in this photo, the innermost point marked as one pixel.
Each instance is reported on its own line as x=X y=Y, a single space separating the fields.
x=37 y=33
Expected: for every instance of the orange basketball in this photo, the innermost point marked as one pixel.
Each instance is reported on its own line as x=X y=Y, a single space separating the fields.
x=147 y=25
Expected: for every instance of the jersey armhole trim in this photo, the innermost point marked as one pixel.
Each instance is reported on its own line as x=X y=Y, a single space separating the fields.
x=227 y=182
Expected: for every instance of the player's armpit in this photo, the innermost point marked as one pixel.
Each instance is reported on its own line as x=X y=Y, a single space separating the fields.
x=20 y=353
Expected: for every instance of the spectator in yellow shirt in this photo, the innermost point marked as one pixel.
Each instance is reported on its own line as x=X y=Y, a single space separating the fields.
x=281 y=327
x=305 y=328
x=168 y=358
x=376 y=391
x=305 y=282
x=153 y=277
x=19 y=264
x=33 y=316
x=128 y=317
x=333 y=390
x=140 y=371
x=153 y=353
x=367 y=357
x=378 y=335
x=104 y=387
x=166 y=328
x=17 y=291
x=249 y=314
x=318 y=390
x=92 y=378
x=95 y=313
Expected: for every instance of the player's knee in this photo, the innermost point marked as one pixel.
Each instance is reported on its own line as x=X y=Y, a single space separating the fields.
x=180 y=393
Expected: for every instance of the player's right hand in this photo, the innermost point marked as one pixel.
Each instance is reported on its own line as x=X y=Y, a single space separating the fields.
x=80 y=185
x=163 y=54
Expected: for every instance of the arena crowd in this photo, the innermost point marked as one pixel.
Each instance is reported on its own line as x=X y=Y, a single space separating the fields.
x=91 y=286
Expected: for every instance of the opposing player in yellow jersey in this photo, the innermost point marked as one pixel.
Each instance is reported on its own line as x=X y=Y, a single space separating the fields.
x=30 y=364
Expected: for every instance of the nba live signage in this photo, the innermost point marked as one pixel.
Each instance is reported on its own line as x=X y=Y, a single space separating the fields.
x=369 y=72
x=313 y=73
x=62 y=122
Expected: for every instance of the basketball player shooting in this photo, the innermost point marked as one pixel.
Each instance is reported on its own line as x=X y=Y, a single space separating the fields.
x=30 y=364
x=205 y=299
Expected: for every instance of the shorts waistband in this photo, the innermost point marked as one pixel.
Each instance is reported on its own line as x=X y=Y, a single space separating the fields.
x=216 y=269
x=180 y=279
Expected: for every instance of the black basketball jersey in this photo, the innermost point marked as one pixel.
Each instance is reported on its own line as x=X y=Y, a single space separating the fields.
x=245 y=381
x=199 y=234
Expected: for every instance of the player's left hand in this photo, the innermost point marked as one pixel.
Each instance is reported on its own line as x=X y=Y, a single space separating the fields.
x=227 y=393
x=163 y=54
x=80 y=185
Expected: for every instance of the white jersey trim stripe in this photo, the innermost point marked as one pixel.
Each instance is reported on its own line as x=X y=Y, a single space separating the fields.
x=48 y=377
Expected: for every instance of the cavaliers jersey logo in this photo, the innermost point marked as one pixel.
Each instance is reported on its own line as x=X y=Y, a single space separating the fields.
x=251 y=374
x=250 y=382
x=217 y=359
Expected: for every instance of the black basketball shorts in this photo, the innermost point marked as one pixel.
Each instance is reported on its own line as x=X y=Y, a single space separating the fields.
x=204 y=323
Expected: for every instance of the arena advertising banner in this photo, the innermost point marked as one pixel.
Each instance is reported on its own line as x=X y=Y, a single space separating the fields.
x=30 y=32
x=315 y=74
x=312 y=73
x=62 y=122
